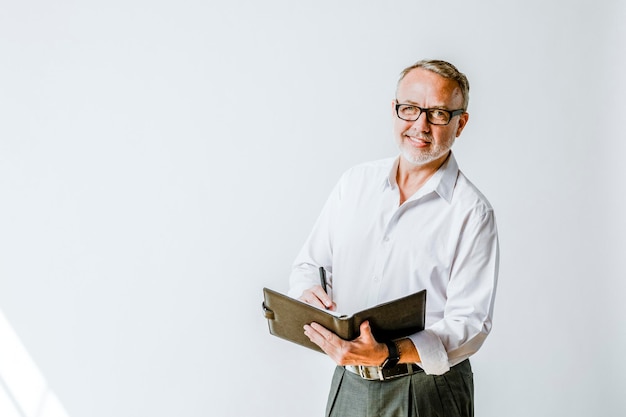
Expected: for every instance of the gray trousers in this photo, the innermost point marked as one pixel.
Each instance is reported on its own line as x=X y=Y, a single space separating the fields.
x=447 y=395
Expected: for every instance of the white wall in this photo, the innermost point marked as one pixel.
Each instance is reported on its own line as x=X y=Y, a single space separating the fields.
x=140 y=215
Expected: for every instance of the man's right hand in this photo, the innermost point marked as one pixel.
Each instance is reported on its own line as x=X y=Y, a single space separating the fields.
x=316 y=296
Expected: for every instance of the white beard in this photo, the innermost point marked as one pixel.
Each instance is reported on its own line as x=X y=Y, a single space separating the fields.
x=421 y=157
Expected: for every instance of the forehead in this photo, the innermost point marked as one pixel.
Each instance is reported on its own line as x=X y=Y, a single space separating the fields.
x=429 y=89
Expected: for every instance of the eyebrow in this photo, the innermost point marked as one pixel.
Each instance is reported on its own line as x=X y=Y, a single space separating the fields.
x=413 y=103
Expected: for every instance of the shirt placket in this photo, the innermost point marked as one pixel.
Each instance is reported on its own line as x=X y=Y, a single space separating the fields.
x=383 y=252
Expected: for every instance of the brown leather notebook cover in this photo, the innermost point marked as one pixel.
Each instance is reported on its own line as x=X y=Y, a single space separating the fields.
x=287 y=316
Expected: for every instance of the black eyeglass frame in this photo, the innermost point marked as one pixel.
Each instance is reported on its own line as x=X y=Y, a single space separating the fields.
x=452 y=113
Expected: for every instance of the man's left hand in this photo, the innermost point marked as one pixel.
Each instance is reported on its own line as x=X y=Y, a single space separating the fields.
x=364 y=350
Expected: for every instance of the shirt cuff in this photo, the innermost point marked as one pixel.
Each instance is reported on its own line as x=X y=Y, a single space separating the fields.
x=433 y=355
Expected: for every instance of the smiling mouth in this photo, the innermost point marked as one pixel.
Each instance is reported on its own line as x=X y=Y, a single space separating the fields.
x=418 y=141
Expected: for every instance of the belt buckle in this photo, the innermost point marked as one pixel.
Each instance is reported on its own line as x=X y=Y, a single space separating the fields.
x=366 y=372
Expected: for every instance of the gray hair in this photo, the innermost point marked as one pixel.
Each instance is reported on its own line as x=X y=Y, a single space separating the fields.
x=446 y=70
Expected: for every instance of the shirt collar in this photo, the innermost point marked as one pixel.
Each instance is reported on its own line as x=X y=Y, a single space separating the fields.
x=449 y=173
x=442 y=182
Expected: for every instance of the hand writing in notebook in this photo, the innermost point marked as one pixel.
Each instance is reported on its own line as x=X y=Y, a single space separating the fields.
x=318 y=295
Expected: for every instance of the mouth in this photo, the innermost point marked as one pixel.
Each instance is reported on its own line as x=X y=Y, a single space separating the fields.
x=418 y=141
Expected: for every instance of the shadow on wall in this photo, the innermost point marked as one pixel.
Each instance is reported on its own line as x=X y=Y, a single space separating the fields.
x=23 y=390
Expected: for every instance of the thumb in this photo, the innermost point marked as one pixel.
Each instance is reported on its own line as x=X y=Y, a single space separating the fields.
x=366 y=330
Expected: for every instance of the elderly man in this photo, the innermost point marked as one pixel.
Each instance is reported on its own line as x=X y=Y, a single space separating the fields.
x=396 y=226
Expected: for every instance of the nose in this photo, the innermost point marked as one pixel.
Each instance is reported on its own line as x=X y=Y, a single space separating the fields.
x=422 y=124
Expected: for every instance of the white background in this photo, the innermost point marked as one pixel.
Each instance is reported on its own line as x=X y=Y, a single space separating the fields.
x=163 y=161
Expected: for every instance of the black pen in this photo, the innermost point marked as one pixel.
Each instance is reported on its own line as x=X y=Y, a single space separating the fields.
x=323 y=279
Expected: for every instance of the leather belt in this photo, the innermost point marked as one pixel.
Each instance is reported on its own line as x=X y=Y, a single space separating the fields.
x=376 y=373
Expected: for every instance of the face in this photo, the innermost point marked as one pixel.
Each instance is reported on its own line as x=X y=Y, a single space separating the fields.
x=420 y=142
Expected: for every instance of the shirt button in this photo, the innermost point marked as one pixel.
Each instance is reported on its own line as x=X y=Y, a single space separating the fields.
x=386 y=239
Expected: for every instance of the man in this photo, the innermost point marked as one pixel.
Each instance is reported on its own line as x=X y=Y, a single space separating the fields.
x=396 y=226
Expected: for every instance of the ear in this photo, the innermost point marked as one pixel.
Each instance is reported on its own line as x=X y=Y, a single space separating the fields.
x=463 y=118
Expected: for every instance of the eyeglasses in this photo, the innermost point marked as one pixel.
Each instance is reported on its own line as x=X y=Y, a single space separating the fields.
x=411 y=113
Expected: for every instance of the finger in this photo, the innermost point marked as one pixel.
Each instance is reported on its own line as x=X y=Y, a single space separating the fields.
x=322 y=337
x=317 y=297
x=366 y=332
x=326 y=334
x=309 y=297
x=322 y=296
x=315 y=337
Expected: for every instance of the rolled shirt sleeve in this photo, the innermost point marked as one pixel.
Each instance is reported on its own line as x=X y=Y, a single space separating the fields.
x=470 y=296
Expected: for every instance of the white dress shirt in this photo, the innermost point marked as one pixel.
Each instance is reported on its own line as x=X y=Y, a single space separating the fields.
x=442 y=239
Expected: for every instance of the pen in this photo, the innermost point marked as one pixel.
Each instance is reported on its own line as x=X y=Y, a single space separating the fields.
x=323 y=279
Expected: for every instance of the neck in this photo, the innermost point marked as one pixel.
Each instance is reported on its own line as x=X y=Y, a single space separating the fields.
x=411 y=177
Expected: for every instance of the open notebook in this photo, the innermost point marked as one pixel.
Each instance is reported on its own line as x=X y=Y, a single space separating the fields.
x=287 y=316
